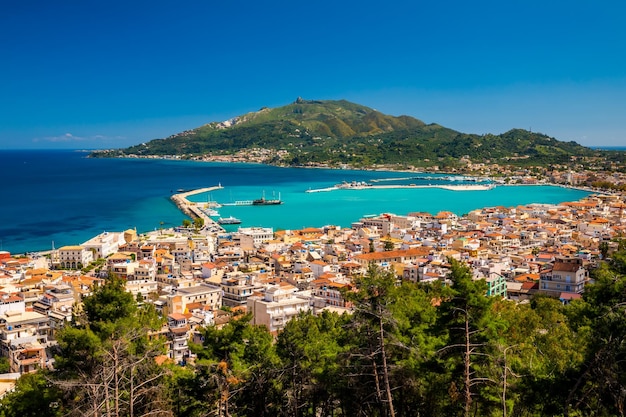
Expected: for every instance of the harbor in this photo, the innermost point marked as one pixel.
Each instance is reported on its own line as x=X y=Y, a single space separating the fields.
x=207 y=211
x=148 y=207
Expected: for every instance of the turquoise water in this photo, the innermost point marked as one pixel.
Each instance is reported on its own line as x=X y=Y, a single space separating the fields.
x=66 y=198
x=342 y=207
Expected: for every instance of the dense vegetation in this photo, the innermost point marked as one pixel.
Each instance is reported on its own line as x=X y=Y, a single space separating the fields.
x=406 y=350
x=340 y=132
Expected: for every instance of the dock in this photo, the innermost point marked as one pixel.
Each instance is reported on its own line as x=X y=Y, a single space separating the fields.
x=239 y=203
x=431 y=177
x=321 y=190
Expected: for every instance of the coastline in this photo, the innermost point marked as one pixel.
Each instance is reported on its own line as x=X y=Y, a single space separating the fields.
x=420 y=170
x=144 y=211
x=192 y=210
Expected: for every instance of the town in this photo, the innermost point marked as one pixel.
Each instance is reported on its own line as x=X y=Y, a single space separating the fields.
x=201 y=275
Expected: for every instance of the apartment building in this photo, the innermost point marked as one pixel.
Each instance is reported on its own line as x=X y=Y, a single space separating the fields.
x=177 y=336
x=253 y=237
x=72 y=257
x=23 y=338
x=204 y=294
x=104 y=244
x=328 y=292
x=276 y=306
x=394 y=256
x=236 y=288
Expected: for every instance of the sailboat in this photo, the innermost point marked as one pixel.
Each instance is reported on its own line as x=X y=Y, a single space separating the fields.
x=263 y=202
x=211 y=206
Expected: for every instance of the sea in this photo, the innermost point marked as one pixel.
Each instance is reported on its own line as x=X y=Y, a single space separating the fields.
x=52 y=198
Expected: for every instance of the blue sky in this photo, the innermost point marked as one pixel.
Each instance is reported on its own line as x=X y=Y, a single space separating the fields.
x=108 y=74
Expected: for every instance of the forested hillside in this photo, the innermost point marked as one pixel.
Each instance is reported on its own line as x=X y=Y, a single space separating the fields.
x=340 y=132
x=406 y=350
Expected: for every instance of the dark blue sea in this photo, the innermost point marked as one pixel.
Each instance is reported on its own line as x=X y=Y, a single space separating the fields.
x=62 y=197
x=609 y=148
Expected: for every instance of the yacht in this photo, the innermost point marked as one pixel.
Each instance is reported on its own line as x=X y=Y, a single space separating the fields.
x=228 y=220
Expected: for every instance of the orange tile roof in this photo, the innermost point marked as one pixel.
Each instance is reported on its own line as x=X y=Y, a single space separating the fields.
x=177 y=316
x=444 y=215
x=421 y=251
x=527 y=277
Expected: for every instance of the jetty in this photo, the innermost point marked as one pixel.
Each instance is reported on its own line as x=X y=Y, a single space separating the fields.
x=451 y=187
x=431 y=177
x=191 y=209
x=321 y=190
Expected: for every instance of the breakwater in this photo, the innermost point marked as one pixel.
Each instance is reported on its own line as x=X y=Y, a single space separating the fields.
x=450 y=187
x=192 y=209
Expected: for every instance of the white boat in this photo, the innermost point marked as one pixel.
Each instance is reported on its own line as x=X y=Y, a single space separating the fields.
x=228 y=220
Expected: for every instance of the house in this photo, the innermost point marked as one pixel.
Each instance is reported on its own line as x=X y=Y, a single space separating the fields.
x=209 y=270
x=565 y=276
x=11 y=302
x=319 y=268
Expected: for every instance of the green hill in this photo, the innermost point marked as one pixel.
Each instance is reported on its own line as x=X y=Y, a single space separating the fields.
x=340 y=132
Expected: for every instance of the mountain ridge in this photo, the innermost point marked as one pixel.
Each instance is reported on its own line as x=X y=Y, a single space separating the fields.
x=339 y=132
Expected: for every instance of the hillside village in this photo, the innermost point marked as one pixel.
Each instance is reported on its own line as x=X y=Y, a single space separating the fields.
x=203 y=276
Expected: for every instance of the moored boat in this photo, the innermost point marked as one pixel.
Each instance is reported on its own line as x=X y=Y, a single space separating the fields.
x=264 y=202
x=228 y=220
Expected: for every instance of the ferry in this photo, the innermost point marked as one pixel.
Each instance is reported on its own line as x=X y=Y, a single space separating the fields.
x=228 y=220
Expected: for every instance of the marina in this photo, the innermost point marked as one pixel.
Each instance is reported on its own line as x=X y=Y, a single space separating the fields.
x=211 y=212
x=194 y=210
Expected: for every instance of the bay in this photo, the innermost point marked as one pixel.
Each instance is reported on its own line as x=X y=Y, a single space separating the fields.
x=62 y=197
